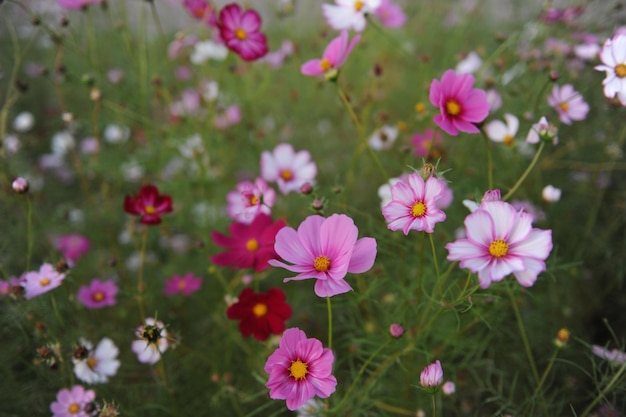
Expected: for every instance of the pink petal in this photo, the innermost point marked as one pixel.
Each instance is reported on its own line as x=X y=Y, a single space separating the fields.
x=250 y=21
x=309 y=235
x=312 y=67
x=363 y=255
x=335 y=49
x=331 y=287
x=479 y=228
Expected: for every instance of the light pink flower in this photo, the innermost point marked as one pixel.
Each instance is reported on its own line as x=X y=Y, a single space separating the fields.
x=543 y=130
x=76 y=4
x=240 y=32
x=151 y=341
x=432 y=375
x=250 y=199
x=461 y=106
x=72 y=246
x=448 y=388
x=568 y=103
x=38 y=282
x=186 y=284
x=72 y=402
x=325 y=249
x=413 y=204
x=289 y=169
x=98 y=294
x=228 y=118
x=390 y=14
x=334 y=56
x=349 y=14
x=613 y=57
x=616 y=357
x=300 y=369
x=501 y=241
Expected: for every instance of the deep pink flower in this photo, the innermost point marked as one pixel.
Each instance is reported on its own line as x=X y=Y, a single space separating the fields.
x=289 y=169
x=461 y=106
x=390 y=14
x=334 y=56
x=568 y=103
x=260 y=314
x=72 y=402
x=426 y=142
x=500 y=241
x=76 y=4
x=432 y=375
x=148 y=204
x=72 y=246
x=300 y=369
x=98 y=294
x=240 y=32
x=250 y=199
x=250 y=246
x=186 y=284
x=413 y=204
x=201 y=10
x=38 y=282
x=325 y=249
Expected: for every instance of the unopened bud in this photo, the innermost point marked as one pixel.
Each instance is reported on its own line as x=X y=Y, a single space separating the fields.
x=427 y=171
x=317 y=204
x=20 y=185
x=396 y=330
x=562 y=337
x=306 y=188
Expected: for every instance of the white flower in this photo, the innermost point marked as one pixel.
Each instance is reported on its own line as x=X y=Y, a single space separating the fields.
x=288 y=168
x=203 y=51
x=613 y=56
x=132 y=170
x=12 y=144
x=383 y=138
x=542 y=130
x=312 y=408
x=349 y=14
x=210 y=91
x=497 y=131
x=116 y=134
x=470 y=64
x=152 y=341
x=192 y=147
x=587 y=51
x=494 y=99
x=100 y=364
x=62 y=142
x=23 y=122
x=384 y=191
x=551 y=194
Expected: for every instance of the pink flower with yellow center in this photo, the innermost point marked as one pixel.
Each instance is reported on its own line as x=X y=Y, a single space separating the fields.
x=288 y=168
x=72 y=402
x=249 y=199
x=334 y=56
x=98 y=294
x=568 y=103
x=186 y=284
x=240 y=32
x=613 y=57
x=38 y=282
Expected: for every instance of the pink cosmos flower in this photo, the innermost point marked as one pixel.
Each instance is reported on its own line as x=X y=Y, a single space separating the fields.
x=300 y=369
x=461 y=106
x=390 y=14
x=72 y=246
x=38 y=282
x=501 y=241
x=568 y=103
x=229 y=117
x=334 y=56
x=201 y=10
x=250 y=199
x=613 y=57
x=151 y=341
x=413 y=204
x=289 y=169
x=424 y=143
x=251 y=245
x=349 y=14
x=240 y=32
x=615 y=357
x=432 y=375
x=72 y=402
x=98 y=294
x=186 y=284
x=325 y=249
x=76 y=4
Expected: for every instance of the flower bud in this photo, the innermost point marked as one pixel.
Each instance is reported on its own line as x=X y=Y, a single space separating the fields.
x=432 y=376
x=395 y=330
x=20 y=185
x=562 y=337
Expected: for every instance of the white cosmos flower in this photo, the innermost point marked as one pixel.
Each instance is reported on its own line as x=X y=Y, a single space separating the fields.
x=100 y=364
x=148 y=351
x=349 y=14
x=613 y=57
x=551 y=194
x=383 y=138
x=23 y=122
x=470 y=64
x=203 y=51
x=498 y=131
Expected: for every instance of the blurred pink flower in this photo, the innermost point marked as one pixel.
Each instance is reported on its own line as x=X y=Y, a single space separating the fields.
x=76 y=4
x=349 y=14
x=613 y=57
x=289 y=169
x=201 y=10
x=325 y=249
x=230 y=117
x=72 y=246
x=501 y=241
x=98 y=294
x=461 y=106
x=414 y=204
x=300 y=369
x=38 y=282
x=334 y=56
x=390 y=14
x=432 y=375
x=250 y=199
x=425 y=142
x=240 y=32
x=186 y=284
x=149 y=204
x=179 y=44
x=72 y=402
x=616 y=357
x=568 y=103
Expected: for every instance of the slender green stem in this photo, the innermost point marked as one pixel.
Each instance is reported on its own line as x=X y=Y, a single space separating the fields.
x=93 y=46
x=434 y=405
x=489 y=159
x=29 y=232
x=55 y=307
x=435 y=261
x=605 y=391
x=155 y=16
x=525 y=174
x=142 y=258
x=546 y=372
x=523 y=335
x=330 y=323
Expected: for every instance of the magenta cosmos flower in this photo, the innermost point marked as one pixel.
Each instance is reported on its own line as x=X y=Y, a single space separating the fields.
x=250 y=246
x=460 y=105
x=72 y=402
x=148 y=204
x=240 y=32
x=390 y=14
x=98 y=294
x=249 y=199
x=289 y=169
x=201 y=10
x=413 y=204
x=334 y=56
x=72 y=246
x=568 y=103
x=260 y=314
x=501 y=241
x=38 y=282
x=613 y=57
x=325 y=249
x=186 y=284
x=300 y=369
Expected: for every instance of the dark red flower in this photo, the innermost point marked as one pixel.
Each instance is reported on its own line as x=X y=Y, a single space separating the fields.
x=261 y=314
x=149 y=204
x=240 y=32
x=250 y=246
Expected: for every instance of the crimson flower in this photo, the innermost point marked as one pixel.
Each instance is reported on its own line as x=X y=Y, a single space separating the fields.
x=250 y=246
x=261 y=314
x=240 y=32
x=148 y=204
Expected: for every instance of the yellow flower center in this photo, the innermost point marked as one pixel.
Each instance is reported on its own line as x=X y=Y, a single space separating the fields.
x=252 y=245
x=453 y=108
x=92 y=362
x=298 y=370
x=149 y=209
x=253 y=200
x=97 y=296
x=44 y=282
x=73 y=408
x=182 y=284
x=563 y=335
x=286 y=174
x=321 y=264
x=508 y=140
x=198 y=12
x=418 y=209
x=620 y=70
x=358 y=5
x=241 y=34
x=325 y=65
x=564 y=106
x=259 y=309
x=498 y=248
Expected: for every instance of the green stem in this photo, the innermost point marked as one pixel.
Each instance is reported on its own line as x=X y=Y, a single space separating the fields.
x=330 y=323
x=142 y=258
x=523 y=335
x=546 y=372
x=434 y=405
x=55 y=307
x=29 y=233
x=435 y=261
x=489 y=159
x=525 y=174
x=605 y=391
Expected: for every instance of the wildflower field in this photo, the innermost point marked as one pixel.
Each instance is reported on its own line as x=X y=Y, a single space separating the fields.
x=290 y=207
